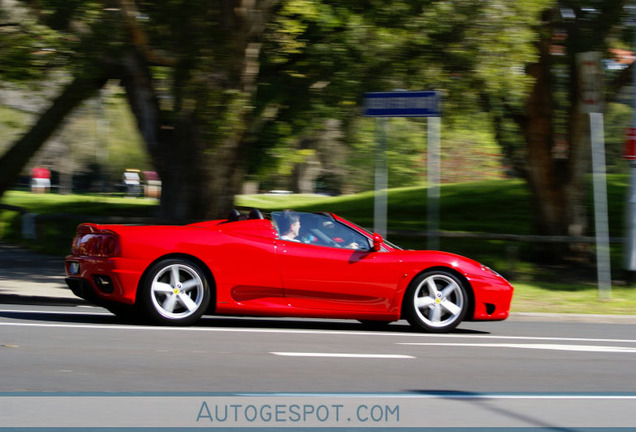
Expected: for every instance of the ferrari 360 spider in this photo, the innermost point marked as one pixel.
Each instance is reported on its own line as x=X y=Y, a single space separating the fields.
x=285 y=263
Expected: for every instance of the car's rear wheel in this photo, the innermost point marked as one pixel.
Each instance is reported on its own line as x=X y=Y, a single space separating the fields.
x=175 y=292
x=436 y=301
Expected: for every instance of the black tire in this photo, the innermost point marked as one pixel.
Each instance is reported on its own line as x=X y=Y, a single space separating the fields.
x=175 y=292
x=436 y=301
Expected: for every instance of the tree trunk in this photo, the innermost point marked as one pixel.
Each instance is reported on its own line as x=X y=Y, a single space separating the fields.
x=197 y=181
x=544 y=176
x=198 y=145
x=16 y=158
x=556 y=170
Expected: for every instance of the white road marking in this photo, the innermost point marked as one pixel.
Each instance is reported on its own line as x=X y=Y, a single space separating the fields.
x=541 y=338
x=360 y=332
x=90 y=311
x=554 y=347
x=457 y=395
x=343 y=355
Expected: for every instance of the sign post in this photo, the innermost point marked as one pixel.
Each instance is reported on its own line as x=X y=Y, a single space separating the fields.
x=590 y=75
x=380 y=205
x=630 y=154
x=433 y=180
x=405 y=104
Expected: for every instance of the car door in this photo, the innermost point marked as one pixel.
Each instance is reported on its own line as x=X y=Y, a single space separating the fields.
x=324 y=271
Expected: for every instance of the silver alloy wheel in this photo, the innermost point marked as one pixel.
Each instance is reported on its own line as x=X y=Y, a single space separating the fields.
x=177 y=291
x=439 y=301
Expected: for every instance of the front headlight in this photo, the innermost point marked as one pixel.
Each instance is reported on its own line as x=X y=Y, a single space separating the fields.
x=488 y=269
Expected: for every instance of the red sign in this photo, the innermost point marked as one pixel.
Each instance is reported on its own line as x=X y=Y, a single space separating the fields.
x=629 y=151
x=42 y=173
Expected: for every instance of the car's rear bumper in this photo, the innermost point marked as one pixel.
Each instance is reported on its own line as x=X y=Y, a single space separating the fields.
x=82 y=289
x=100 y=280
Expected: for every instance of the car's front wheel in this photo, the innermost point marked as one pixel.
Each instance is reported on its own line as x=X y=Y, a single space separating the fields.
x=175 y=292
x=436 y=301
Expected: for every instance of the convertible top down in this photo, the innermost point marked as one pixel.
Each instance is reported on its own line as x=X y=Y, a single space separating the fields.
x=326 y=267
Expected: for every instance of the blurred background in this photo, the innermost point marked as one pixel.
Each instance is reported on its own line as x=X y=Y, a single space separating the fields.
x=175 y=111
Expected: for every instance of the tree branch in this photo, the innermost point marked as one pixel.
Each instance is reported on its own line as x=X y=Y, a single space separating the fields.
x=138 y=37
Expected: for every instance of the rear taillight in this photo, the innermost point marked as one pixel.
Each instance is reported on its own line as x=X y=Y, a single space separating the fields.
x=92 y=241
x=109 y=245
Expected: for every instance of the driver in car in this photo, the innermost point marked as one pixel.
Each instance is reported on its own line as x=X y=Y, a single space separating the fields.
x=290 y=226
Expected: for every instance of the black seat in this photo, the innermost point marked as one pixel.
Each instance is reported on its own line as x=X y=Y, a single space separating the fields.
x=256 y=214
x=234 y=215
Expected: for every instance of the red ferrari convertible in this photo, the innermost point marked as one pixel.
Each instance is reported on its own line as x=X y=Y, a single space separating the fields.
x=286 y=263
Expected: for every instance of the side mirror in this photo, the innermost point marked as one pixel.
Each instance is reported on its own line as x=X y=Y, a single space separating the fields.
x=378 y=241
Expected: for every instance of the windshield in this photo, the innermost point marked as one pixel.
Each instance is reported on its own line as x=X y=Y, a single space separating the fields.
x=370 y=233
x=320 y=229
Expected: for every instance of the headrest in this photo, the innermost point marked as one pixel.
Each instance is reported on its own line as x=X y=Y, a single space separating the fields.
x=233 y=215
x=255 y=214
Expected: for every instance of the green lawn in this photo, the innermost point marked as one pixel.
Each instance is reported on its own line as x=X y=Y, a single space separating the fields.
x=572 y=298
x=500 y=206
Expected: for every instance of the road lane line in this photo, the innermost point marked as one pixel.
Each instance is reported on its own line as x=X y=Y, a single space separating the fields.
x=450 y=394
x=54 y=312
x=554 y=347
x=360 y=332
x=343 y=355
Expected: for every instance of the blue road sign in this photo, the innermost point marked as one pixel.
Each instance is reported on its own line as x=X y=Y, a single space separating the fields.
x=402 y=104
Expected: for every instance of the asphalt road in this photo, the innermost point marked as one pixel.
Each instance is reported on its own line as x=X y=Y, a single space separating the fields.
x=65 y=364
x=81 y=348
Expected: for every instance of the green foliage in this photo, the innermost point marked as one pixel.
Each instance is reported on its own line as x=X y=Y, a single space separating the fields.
x=618 y=118
x=321 y=56
x=468 y=148
x=28 y=49
x=317 y=59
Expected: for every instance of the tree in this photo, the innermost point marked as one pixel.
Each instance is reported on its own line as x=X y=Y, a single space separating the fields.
x=329 y=53
x=189 y=69
x=215 y=85
x=23 y=149
x=29 y=51
x=190 y=76
x=554 y=159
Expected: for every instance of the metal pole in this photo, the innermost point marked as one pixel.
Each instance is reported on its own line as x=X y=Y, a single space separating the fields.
x=381 y=178
x=630 y=246
x=600 y=207
x=433 y=180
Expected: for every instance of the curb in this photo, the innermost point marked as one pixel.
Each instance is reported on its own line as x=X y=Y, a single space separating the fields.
x=574 y=318
x=41 y=300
